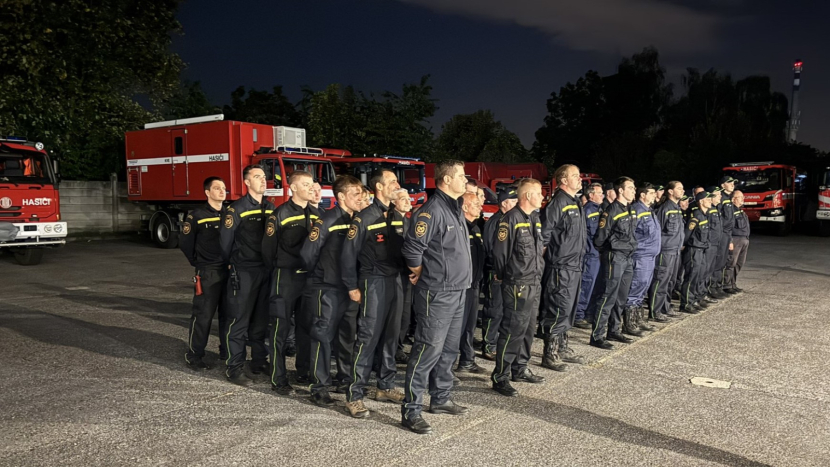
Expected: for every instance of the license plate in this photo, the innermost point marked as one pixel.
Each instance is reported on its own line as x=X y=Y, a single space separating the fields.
x=823 y=214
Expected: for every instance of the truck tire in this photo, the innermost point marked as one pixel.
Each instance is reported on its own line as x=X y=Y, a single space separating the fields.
x=28 y=256
x=824 y=228
x=784 y=229
x=162 y=231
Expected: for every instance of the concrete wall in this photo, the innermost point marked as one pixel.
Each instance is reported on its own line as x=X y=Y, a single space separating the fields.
x=89 y=207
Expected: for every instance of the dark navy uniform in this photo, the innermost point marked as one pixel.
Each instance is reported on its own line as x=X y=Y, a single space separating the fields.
x=714 y=250
x=373 y=243
x=286 y=231
x=438 y=241
x=326 y=299
x=648 y=239
x=616 y=243
x=199 y=241
x=564 y=236
x=471 y=295
x=670 y=219
x=493 y=308
x=518 y=262
x=737 y=257
x=727 y=215
x=695 y=264
x=241 y=238
x=590 y=263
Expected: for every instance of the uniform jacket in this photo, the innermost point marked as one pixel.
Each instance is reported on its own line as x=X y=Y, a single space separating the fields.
x=286 y=230
x=491 y=226
x=517 y=253
x=592 y=212
x=322 y=250
x=697 y=230
x=563 y=232
x=741 y=227
x=715 y=226
x=437 y=239
x=242 y=231
x=727 y=215
x=199 y=240
x=476 y=251
x=374 y=243
x=647 y=232
x=670 y=218
x=616 y=230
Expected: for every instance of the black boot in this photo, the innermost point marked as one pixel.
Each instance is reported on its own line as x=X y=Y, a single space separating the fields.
x=566 y=353
x=641 y=320
x=628 y=325
x=550 y=359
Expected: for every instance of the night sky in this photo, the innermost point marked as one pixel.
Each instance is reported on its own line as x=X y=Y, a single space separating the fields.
x=506 y=56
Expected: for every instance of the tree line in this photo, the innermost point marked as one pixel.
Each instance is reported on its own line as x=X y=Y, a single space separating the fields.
x=77 y=77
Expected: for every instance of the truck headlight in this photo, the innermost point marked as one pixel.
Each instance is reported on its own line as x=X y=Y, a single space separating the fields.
x=47 y=228
x=775 y=212
x=58 y=228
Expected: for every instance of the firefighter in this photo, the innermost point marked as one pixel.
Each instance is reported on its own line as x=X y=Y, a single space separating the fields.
x=616 y=243
x=437 y=251
x=727 y=213
x=317 y=189
x=199 y=242
x=590 y=265
x=695 y=263
x=563 y=236
x=659 y=190
x=373 y=242
x=686 y=209
x=669 y=216
x=403 y=205
x=713 y=253
x=740 y=245
x=493 y=308
x=648 y=239
x=286 y=231
x=472 y=211
x=247 y=292
x=610 y=195
x=326 y=298
x=518 y=262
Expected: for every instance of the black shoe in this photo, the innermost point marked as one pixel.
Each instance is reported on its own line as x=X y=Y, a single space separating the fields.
x=710 y=299
x=616 y=336
x=240 y=379
x=601 y=344
x=469 y=368
x=260 y=369
x=527 y=376
x=283 y=389
x=737 y=289
x=401 y=357
x=672 y=314
x=449 y=408
x=690 y=309
x=417 y=424
x=632 y=331
x=701 y=305
x=197 y=364
x=290 y=350
x=322 y=398
x=505 y=389
x=491 y=356
x=659 y=318
x=582 y=324
x=719 y=294
x=303 y=379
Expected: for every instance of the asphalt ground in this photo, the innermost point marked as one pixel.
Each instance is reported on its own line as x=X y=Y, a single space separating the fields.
x=93 y=373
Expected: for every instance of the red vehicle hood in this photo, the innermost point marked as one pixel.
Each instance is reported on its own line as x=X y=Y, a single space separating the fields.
x=27 y=203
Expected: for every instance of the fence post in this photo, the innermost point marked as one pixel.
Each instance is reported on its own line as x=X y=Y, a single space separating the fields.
x=114 y=185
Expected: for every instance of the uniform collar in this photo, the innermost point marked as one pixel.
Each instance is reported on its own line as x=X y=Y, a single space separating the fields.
x=454 y=204
x=381 y=206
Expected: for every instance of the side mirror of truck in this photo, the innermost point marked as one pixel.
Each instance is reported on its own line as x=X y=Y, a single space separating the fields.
x=57 y=172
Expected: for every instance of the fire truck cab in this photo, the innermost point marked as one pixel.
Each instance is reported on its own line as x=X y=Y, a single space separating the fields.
x=30 y=218
x=774 y=194
x=167 y=164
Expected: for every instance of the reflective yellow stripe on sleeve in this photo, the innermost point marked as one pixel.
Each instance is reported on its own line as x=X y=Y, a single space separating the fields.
x=621 y=215
x=208 y=219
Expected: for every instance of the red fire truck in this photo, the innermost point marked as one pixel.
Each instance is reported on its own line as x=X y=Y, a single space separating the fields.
x=823 y=212
x=30 y=216
x=491 y=201
x=409 y=170
x=773 y=193
x=167 y=163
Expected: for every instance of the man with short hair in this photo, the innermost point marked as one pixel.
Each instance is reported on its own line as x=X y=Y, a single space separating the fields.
x=199 y=242
x=493 y=308
x=437 y=251
x=563 y=236
x=610 y=195
x=647 y=234
x=472 y=211
x=472 y=186
x=713 y=252
x=616 y=243
x=727 y=213
x=371 y=262
x=403 y=205
x=247 y=293
x=325 y=298
x=518 y=262
x=695 y=265
x=590 y=265
x=740 y=245
x=669 y=216
x=286 y=231
x=318 y=196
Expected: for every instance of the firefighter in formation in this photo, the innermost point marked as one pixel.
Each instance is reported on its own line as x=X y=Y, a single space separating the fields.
x=323 y=285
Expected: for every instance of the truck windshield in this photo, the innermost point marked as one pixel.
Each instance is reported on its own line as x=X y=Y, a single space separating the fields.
x=24 y=167
x=824 y=179
x=757 y=181
x=322 y=170
x=410 y=177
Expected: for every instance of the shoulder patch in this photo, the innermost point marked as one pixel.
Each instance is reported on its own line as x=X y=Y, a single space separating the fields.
x=425 y=214
x=228 y=221
x=318 y=221
x=356 y=219
x=352 y=231
x=190 y=216
x=231 y=210
x=502 y=234
x=603 y=219
x=314 y=235
x=420 y=228
x=270 y=230
x=186 y=227
x=272 y=218
x=692 y=224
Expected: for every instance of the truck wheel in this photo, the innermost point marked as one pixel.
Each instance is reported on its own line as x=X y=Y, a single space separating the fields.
x=163 y=233
x=28 y=256
x=824 y=228
x=783 y=229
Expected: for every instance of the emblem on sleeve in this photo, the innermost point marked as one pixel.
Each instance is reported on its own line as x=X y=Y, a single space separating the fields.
x=352 y=232
x=186 y=228
x=502 y=234
x=271 y=230
x=228 y=221
x=314 y=235
x=420 y=229
x=602 y=223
